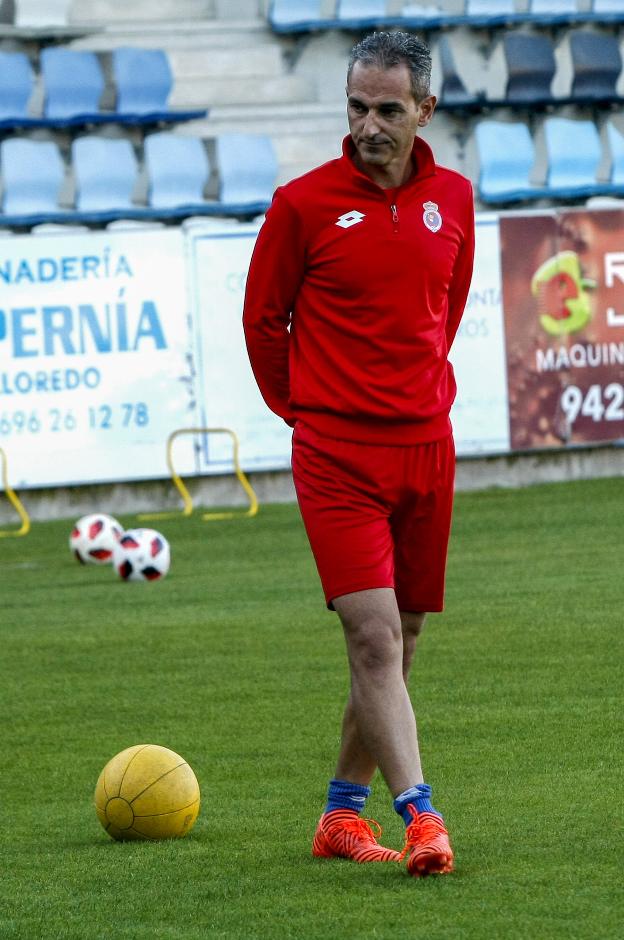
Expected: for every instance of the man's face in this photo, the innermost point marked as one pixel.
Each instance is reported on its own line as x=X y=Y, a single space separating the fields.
x=384 y=116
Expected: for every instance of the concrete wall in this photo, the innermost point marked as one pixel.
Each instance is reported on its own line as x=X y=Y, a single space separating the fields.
x=472 y=474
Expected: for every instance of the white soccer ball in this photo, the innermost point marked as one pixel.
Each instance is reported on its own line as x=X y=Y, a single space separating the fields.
x=93 y=538
x=142 y=555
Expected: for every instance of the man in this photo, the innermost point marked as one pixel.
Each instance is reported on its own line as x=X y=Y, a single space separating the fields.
x=355 y=292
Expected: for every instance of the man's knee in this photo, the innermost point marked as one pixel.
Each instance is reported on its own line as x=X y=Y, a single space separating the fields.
x=373 y=645
x=372 y=628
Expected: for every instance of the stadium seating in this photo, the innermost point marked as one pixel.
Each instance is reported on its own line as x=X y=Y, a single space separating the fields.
x=453 y=92
x=73 y=83
x=597 y=64
x=105 y=171
x=247 y=171
x=17 y=82
x=574 y=153
x=143 y=80
x=73 y=87
x=143 y=83
x=506 y=158
x=294 y=16
x=33 y=173
x=531 y=67
x=178 y=170
x=79 y=87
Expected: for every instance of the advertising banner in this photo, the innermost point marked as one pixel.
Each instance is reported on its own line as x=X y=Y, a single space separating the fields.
x=109 y=341
x=95 y=358
x=563 y=297
x=229 y=397
x=219 y=260
x=480 y=414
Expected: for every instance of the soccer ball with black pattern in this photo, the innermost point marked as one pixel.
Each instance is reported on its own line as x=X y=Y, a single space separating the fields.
x=93 y=538
x=142 y=555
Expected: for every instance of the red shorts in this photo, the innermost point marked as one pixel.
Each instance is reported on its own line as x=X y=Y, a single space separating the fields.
x=377 y=516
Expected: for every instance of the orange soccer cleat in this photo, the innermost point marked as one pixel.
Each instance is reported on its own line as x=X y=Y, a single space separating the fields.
x=427 y=842
x=341 y=833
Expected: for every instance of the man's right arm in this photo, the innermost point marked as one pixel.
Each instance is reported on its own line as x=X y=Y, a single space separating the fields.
x=275 y=273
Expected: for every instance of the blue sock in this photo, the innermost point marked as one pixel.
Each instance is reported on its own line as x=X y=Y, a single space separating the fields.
x=420 y=796
x=345 y=795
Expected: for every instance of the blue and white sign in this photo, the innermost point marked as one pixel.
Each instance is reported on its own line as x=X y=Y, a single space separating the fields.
x=95 y=355
x=480 y=414
x=219 y=260
x=110 y=341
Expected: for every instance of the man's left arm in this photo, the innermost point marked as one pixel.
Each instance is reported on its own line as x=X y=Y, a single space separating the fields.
x=462 y=274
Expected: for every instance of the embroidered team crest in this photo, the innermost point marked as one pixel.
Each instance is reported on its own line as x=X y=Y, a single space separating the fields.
x=431 y=216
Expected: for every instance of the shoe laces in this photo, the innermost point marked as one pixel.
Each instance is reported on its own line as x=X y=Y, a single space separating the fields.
x=362 y=827
x=423 y=826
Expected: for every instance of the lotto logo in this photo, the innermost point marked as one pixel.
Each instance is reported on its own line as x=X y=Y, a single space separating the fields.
x=350 y=218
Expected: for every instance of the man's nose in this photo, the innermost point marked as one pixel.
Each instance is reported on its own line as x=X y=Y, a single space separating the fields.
x=371 y=125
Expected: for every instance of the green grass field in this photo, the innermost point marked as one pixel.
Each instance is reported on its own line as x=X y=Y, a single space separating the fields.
x=233 y=662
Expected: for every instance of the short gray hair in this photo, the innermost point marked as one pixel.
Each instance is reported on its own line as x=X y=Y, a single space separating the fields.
x=387 y=50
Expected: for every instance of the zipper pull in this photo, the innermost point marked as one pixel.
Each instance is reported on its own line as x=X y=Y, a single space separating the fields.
x=395 y=214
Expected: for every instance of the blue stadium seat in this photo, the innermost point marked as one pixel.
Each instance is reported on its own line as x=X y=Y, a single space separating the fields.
x=596 y=64
x=105 y=171
x=616 y=150
x=143 y=80
x=32 y=174
x=247 y=171
x=178 y=170
x=360 y=14
x=290 y=16
x=506 y=158
x=73 y=83
x=16 y=85
x=530 y=67
x=574 y=153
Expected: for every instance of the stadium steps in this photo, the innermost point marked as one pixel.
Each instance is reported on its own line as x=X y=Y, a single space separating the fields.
x=196 y=62
x=207 y=34
x=236 y=75
x=97 y=12
x=206 y=92
x=216 y=61
x=276 y=120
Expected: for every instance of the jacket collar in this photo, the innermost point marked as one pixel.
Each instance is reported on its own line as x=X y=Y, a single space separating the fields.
x=422 y=156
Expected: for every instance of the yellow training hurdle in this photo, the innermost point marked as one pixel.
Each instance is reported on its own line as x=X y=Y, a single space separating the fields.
x=15 y=502
x=186 y=496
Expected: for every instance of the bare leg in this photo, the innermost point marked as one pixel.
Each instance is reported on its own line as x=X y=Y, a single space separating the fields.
x=354 y=762
x=411 y=627
x=379 y=728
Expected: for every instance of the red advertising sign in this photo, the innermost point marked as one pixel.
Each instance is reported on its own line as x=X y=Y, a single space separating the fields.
x=563 y=303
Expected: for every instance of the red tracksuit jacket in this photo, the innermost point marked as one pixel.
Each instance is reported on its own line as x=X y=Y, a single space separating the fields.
x=354 y=296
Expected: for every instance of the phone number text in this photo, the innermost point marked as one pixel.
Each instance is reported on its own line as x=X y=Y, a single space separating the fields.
x=57 y=420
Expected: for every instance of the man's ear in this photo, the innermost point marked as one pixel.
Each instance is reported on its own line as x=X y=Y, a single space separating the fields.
x=427 y=107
